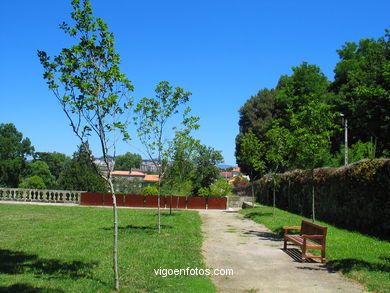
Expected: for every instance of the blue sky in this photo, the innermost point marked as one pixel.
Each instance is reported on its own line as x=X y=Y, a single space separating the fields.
x=221 y=51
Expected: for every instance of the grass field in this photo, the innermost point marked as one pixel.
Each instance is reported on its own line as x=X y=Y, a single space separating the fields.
x=69 y=249
x=359 y=257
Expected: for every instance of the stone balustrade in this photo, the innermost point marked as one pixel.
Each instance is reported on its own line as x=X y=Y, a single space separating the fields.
x=40 y=195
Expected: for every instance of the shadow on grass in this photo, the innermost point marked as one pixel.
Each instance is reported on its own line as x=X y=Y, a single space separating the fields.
x=257 y=214
x=27 y=288
x=138 y=229
x=351 y=264
x=16 y=262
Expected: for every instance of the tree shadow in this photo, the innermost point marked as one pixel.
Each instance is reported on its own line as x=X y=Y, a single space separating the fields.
x=256 y=214
x=264 y=235
x=27 y=288
x=16 y=262
x=351 y=264
x=138 y=229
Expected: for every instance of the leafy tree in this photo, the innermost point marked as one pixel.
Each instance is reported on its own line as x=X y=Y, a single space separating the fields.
x=253 y=154
x=80 y=173
x=357 y=152
x=128 y=161
x=309 y=141
x=277 y=146
x=41 y=169
x=256 y=116
x=90 y=88
x=14 y=150
x=34 y=182
x=362 y=85
x=153 y=115
x=306 y=80
x=220 y=188
x=181 y=154
x=206 y=171
x=55 y=161
x=150 y=190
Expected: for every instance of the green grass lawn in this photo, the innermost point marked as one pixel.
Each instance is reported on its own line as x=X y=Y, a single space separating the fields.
x=69 y=249
x=359 y=257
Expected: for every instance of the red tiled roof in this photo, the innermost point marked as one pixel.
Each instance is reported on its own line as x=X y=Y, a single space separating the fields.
x=153 y=178
x=127 y=173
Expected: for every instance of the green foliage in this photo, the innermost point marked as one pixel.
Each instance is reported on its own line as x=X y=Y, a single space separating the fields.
x=357 y=152
x=87 y=81
x=256 y=116
x=41 y=169
x=205 y=172
x=312 y=127
x=82 y=174
x=55 y=161
x=14 y=150
x=220 y=188
x=306 y=80
x=127 y=162
x=153 y=115
x=363 y=89
x=34 y=182
x=252 y=153
x=150 y=190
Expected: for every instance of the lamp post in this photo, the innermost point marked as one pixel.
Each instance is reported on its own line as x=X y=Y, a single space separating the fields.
x=345 y=139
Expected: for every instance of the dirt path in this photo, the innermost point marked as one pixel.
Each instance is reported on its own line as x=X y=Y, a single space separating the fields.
x=259 y=263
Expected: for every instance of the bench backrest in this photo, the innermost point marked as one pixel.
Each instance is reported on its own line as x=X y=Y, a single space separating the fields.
x=310 y=228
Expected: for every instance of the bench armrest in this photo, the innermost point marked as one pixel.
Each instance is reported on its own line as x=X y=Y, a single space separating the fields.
x=312 y=236
x=292 y=228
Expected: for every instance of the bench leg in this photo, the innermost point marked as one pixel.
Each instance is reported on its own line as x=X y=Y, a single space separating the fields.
x=323 y=255
x=304 y=250
x=285 y=244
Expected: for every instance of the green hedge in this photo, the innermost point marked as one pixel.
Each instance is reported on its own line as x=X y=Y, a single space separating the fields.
x=355 y=197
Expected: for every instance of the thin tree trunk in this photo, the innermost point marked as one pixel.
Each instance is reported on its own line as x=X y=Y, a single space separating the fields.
x=274 y=197
x=313 y=197
x=253 y=195
x=170 y=206
x=158 y=206
x=115 y=251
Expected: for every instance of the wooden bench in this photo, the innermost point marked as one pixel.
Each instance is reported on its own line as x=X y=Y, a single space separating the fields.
x=311 y=236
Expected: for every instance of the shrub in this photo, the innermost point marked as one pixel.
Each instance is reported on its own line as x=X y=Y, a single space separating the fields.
x=34 y=182
x=150 y=190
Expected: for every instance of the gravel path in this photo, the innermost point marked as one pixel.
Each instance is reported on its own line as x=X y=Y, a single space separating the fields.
x=259 y=263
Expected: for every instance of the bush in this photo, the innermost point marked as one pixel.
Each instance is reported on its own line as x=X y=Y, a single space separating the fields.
x=150 y=190
x=34 y=182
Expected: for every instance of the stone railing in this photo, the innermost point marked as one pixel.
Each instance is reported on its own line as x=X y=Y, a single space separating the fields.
x=40 y=195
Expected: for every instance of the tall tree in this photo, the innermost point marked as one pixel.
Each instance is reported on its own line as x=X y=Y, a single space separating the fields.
x=256 y=116
x=80 y=173
x=206 y=171
x=91 y=90
x=127 y=162
x=14 y=150
x=253 y=154
x=309 y=140
x=362 y=83
x=153 y=116
x=56 y=161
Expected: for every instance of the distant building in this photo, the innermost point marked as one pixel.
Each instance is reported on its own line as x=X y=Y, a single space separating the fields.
x=141 y=178
x=148 y=166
